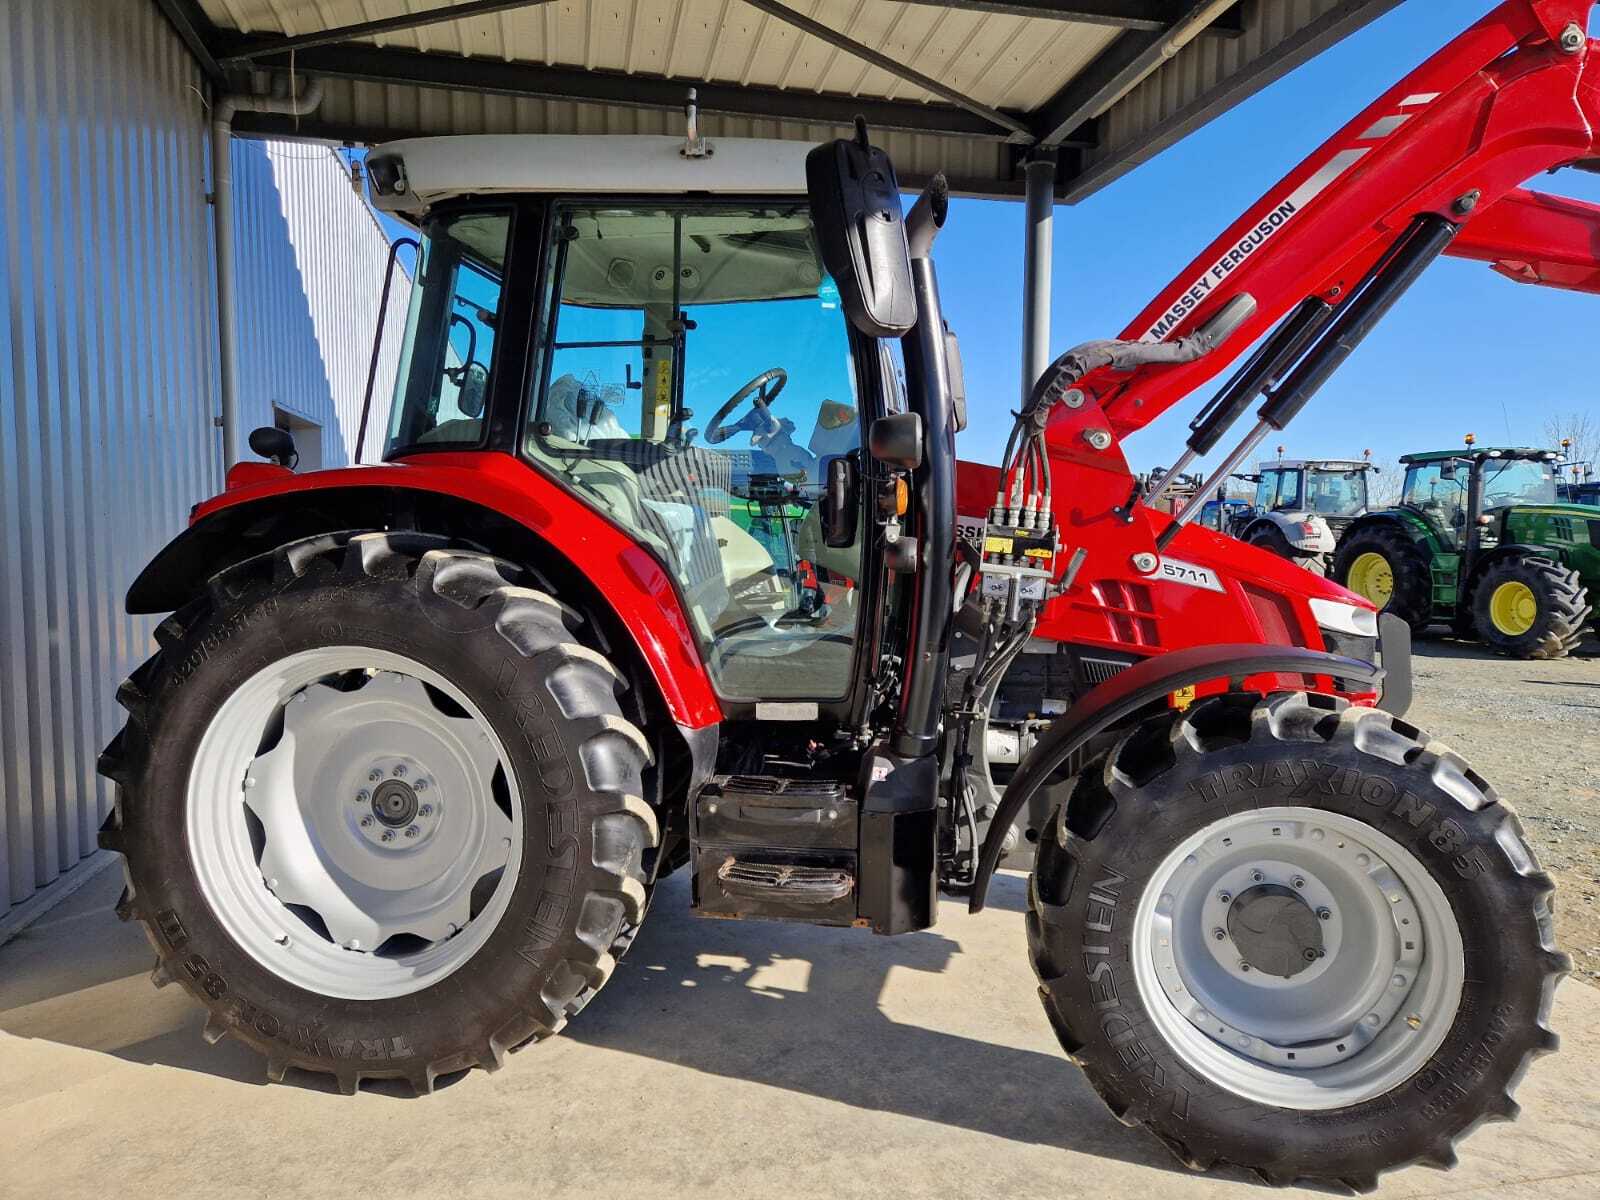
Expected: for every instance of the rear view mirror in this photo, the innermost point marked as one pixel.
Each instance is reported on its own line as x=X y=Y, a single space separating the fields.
x=855 y=204
x=896 y=440
x=275 y=445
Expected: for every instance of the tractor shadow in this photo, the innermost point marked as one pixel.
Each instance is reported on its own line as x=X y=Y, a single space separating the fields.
x=845 y=1016
x=836 y=1014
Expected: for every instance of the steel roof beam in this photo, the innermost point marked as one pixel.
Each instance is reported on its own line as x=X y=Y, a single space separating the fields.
x=196 y=32
x=1144 y=15
x=1122 y=66
x=247 y=48
x=884 y=62
x=453 y=72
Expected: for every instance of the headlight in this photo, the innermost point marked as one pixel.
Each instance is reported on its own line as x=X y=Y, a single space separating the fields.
x=1340 y=617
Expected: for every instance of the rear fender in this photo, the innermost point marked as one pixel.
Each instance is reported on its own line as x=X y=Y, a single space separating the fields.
x=1128 y=694
x=492 y=501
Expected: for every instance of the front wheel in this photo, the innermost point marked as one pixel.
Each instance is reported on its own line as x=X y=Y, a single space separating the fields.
x=1295 y=937
x=1530 y=607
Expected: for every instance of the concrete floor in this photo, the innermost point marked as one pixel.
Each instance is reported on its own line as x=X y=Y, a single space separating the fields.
x=723 y=1060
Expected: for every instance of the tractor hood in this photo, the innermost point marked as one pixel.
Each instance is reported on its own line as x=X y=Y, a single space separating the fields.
x=1257 y=565
x=1577 y=512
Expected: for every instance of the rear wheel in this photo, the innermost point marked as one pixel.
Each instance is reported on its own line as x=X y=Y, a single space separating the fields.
x=1295 y=937
x=1381 y=563
x=381 y=811
x=1530 y=607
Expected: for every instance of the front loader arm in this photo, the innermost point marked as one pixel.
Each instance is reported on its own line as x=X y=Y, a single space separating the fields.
x=1536 y=238
x=1516 y=94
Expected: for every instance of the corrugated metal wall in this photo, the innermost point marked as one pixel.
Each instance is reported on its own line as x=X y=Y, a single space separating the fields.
x=108 y=369
x=107 y=361
x=310 y=266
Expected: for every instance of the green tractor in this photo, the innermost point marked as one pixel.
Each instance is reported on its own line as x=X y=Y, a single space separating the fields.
x=1480 y=541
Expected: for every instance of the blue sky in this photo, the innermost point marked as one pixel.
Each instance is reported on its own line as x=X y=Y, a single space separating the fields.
x=1464 y=350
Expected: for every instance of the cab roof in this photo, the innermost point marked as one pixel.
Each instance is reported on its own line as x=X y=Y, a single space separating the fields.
x=1475 y=452
x=1318 y=464
x=439 y=168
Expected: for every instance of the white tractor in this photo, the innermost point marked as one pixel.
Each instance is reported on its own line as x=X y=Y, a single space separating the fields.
x=1302 y=506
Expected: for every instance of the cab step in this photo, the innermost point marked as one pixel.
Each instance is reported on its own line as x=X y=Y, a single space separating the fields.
x=776 y=848
x=788 y=883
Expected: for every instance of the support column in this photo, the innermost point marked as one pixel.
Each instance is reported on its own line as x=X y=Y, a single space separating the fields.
x=1040 y=172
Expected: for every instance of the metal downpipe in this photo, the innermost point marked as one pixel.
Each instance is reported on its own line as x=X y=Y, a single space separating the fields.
x=222 y=115
x=1040 y=175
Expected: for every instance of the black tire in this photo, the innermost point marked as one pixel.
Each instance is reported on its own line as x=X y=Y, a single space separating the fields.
x=580 y=893
x=1165 y=780
x=1563 y=608
x=1412 y=598
x=1269 y=537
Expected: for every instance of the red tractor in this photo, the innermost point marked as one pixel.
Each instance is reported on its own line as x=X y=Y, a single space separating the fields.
x=662 y=568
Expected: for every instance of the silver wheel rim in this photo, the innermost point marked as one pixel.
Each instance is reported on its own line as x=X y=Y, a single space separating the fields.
x=363 y=852
x=1292 y=1015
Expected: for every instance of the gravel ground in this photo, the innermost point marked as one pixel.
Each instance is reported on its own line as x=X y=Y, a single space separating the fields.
x=1532 y=729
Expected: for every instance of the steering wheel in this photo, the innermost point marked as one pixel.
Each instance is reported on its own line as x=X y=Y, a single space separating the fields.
x=761 y=392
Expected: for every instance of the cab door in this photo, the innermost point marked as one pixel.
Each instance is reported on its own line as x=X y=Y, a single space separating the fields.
x=696 y=379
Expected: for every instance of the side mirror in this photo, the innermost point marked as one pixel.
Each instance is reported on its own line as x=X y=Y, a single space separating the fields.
x=275 y=445
x=855 y=205
x=841 y=502
x=896 y=440
x=474 y=382
x=958 y=381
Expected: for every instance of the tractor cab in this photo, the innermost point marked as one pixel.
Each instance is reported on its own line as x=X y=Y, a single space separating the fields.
x=1459 y=493
x=690 y=375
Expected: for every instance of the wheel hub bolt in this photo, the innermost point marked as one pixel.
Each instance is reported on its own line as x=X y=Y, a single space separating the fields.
x=1225 y=897
x=1243 y=966
x=420 y=785
x=388 y=835
x=412 y=831
x=363 y=796
x=1299 y=882
x=1310 y=954
x=426 y=810
x=400 y=771
x=366 y=822
x=1220 y=934
x=1324 y=914
x=374 y=776
x=1256 y=876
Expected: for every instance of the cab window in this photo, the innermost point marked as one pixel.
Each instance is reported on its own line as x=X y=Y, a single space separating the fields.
x=449 y=346
x=696 y=378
